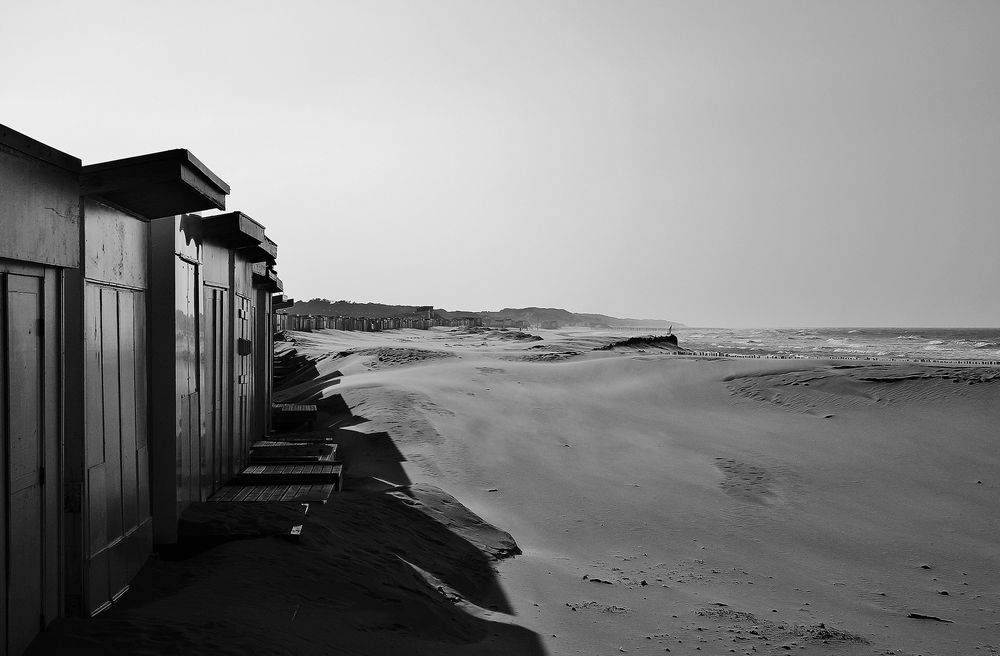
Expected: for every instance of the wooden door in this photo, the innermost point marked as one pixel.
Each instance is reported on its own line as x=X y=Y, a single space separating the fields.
x=189 y=428
x=22 y=365
x=243 y=363
x=215 y=448
x=117 y=491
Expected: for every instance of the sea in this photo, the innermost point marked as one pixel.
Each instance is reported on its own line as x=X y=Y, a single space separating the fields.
x=935 y=344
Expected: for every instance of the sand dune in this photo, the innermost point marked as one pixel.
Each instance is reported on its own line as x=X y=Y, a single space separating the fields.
x=807 y=497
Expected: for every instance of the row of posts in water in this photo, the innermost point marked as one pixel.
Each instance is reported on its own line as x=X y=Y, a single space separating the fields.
x=865 y=358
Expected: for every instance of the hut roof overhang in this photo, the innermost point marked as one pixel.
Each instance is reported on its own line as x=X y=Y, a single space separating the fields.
x=238 y=231
x=265 y=278
x=156 y=185
x=280 y=302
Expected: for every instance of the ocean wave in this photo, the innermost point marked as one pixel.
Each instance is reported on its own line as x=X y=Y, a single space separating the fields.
x=943 y=344
x=843 y=345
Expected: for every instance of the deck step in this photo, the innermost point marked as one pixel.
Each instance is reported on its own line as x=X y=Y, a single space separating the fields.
x=309 y=437
x=262 y=453
x=319 y=492
x=289 y=415
x=276 y=474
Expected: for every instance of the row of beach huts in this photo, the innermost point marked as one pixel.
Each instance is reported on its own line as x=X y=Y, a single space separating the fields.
x=284 y=320
x=136 y=361
x=310 y=322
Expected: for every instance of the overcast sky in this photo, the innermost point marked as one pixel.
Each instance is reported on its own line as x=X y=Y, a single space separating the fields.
x=730 y=164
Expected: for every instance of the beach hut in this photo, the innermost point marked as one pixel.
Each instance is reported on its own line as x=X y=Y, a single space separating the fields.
x=247 y=425
x=120 y=310
x=39 y=224
x=204 y=396
x=106 y=275
x=279 y=306
x=265 y=283
x=233 y=246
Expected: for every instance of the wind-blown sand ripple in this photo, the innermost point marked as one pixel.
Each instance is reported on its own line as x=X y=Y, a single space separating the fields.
x=660 y=501
x=656 y=485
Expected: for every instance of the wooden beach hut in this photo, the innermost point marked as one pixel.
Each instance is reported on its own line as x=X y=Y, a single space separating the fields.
x=224 y=354
x=39 y=224
x=265 y=283
x=106 y=276
x=114 y=305
x=204 y=335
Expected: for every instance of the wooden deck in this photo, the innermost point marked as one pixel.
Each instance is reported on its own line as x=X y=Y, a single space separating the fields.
x=289 y=474
x=308 y=437
x=263 y=453
x=262 y=493
x=290 y=415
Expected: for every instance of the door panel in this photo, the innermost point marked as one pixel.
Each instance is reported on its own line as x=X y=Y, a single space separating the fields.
x=116 y=424
x=112 y=410
x=126 y=383
x=244 y=374
x=216 y=390
x=189 y=425
x=25 y=399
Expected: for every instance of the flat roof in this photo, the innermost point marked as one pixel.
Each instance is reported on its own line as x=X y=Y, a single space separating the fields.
x=23 y=143
x=236 y=229
x=160 y=184
x=175 y=155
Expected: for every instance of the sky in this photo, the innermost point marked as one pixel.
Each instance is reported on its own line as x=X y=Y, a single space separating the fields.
x=737 y=164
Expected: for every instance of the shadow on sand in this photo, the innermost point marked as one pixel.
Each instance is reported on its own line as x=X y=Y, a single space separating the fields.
x=385 y=567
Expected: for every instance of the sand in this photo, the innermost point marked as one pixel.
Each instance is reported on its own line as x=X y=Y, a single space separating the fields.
x=660 y=503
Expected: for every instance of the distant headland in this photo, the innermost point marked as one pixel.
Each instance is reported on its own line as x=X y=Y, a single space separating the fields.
x=530 y=316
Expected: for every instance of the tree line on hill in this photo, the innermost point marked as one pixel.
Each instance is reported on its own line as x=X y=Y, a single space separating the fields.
x=532 y=316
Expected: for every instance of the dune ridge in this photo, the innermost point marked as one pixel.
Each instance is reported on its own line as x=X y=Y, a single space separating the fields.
x=806 y=493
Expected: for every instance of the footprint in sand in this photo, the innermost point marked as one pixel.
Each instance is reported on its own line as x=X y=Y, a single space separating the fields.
x=743 y=480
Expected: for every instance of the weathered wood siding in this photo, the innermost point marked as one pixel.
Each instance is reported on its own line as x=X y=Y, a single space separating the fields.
x=176 y=348
x=107 y=453
x=39 y=239
x=40 y=202
x=244 y=396
x=217 y=388
x=263 y=361
x=29 y=396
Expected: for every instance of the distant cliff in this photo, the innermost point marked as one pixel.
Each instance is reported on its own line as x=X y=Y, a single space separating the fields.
x=532 y=316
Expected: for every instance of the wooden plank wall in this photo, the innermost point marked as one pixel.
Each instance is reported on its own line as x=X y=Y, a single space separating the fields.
x=189 y=438
x=216 y=449
x=116 y=441
x=29 y=439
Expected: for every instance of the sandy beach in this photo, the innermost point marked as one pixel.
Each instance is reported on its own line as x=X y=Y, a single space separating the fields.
x=660 y=503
